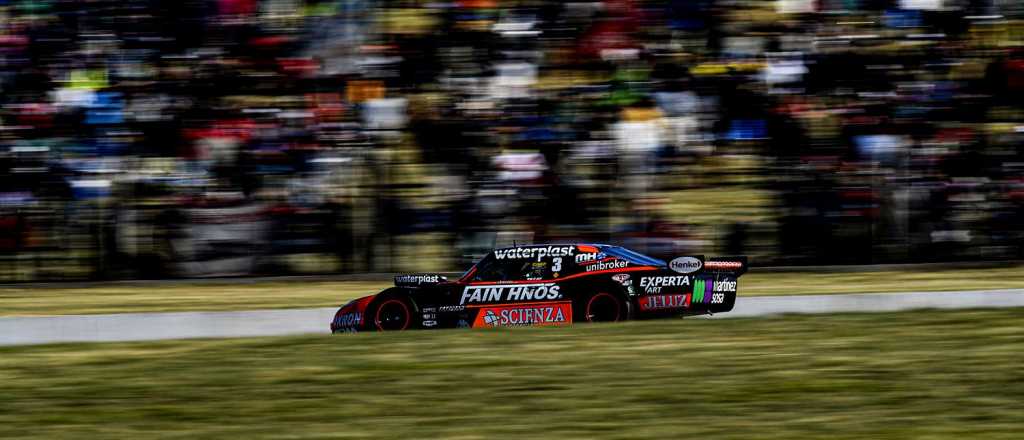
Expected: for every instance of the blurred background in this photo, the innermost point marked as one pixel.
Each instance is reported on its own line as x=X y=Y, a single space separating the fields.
x=189 y=138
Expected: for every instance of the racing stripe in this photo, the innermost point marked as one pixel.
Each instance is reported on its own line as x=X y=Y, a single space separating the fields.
x=555 y=280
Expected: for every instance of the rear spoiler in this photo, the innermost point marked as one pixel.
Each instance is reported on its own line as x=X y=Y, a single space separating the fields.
x=697 y=263
x=731 y=265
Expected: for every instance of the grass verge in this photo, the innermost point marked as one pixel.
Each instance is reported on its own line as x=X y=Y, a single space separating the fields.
x=924 y=374
x=130 y=298
x=125 y=298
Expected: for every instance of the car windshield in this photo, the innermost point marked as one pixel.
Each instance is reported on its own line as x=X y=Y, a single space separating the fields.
x=479 y=264
x=631 y=256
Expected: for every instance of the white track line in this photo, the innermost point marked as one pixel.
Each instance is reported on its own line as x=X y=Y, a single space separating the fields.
x=179 y=325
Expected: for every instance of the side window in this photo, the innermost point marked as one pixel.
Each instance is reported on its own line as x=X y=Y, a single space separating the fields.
x=537 y=270
x=491 y=269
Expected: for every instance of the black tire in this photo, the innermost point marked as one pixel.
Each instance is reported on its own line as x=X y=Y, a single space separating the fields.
x=605 y=305
x=393 y=313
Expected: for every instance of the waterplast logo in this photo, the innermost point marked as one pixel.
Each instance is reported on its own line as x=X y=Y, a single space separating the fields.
x=685 y=264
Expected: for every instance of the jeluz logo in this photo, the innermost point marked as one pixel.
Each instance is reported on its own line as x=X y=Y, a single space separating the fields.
x=662 y=302
x=685 y=265
x=621 y=278
x=533 y=252
x=551 y=314
x=521 y=292
x=605 y=265
x=725 y=286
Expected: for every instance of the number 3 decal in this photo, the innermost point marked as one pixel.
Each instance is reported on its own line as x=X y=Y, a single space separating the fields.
x=556 y=265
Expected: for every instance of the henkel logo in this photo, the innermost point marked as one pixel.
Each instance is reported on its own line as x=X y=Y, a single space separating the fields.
x=538 y=315
x=685 y=265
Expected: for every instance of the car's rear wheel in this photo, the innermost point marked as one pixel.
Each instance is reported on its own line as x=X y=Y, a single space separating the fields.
x=392 y=314
x=604 y=307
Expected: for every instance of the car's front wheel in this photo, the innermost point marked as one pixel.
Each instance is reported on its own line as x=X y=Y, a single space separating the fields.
x=603 y=307
x=392 y=314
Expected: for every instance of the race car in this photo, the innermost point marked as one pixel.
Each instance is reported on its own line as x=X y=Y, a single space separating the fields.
x=556 y=284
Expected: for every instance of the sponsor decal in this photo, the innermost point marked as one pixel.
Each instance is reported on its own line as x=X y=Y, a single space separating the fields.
x=662 y=302
x=703 y=293
x=725 y=286
x=351 y=315
x=723 y=265
x=348 y=319
x=698 y=290
x=515 y=292
x=418 y=279
x=523 y=253
x=623 y=278
x=654 y=284
x=430 y=323
x=524 y=314
x=451 y=308
x=685 y=265
x=594 y=266
x=589 y=256
x=462 y=324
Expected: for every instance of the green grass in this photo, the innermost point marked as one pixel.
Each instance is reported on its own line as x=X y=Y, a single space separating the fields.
x=925 y=375
x=124 y=298
x=916 y=280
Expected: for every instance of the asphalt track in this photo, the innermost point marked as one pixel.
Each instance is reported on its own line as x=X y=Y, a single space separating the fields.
x=179 y=325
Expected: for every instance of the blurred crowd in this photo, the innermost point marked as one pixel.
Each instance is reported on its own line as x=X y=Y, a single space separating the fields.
x=212 y=137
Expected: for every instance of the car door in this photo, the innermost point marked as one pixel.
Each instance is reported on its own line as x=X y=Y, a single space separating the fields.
x=511 y=280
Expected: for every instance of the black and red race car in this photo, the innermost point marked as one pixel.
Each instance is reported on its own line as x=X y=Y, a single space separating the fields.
x=550 y=285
